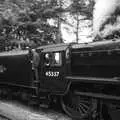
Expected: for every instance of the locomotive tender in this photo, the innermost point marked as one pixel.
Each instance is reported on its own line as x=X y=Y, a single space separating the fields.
x=83 y=77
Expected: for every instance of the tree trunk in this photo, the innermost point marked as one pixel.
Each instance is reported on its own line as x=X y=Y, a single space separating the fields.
x=59 y=31
x=77 y=28
x=59 y=25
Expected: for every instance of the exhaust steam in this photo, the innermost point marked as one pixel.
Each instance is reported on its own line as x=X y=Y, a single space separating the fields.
x=106 y=17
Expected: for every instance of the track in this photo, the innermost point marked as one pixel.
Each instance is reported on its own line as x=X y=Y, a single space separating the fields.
x=12 y=110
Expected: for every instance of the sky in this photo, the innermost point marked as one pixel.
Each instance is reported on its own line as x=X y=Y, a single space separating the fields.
x=68 y=30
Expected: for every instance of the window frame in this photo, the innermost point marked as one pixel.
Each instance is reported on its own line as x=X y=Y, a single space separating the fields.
x=51 y=58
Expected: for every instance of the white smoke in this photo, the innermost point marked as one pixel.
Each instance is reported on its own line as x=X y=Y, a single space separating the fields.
x=110 y=28
x=103 y=10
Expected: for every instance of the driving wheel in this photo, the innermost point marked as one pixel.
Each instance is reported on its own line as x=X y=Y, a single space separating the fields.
x=79 y=107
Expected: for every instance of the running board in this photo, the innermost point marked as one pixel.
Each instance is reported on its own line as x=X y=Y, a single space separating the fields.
x=98 y=95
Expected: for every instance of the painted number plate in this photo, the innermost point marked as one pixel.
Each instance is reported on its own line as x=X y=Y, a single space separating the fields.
x=52 y=74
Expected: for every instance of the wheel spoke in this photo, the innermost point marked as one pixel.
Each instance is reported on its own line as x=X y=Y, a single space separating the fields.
x=84 y=111
x=80 y=110
x=85 y=106
x=77 y=107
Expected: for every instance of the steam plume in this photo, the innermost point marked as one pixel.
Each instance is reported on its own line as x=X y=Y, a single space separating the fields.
x=103 y=11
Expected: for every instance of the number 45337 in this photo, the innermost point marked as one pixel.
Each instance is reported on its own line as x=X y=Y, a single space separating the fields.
x=52 y=74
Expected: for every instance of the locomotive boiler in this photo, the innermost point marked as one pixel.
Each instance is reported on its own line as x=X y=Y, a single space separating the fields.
x=84 y=78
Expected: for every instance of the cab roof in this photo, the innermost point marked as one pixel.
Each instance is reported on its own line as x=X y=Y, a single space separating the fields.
x=53 y=47
x=105 y=44
x=14 y=53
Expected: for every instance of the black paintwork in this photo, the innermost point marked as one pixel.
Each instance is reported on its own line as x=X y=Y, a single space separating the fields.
x=101 y=61
x=17 y=69
x=96 y=60
x=54 y=84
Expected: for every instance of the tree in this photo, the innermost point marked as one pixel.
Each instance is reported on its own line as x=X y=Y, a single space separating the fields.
x=81 y=10
x=27 y=20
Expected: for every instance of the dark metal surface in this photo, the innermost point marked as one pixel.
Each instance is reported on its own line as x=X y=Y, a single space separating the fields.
x=17 y=69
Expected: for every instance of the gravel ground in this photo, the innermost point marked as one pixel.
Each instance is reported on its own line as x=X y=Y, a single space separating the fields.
x=17 y=111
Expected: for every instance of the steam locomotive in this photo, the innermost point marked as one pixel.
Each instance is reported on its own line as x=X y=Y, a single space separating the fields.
x=84 y=78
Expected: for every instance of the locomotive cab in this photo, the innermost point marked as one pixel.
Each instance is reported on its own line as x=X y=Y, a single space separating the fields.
x=53 y=68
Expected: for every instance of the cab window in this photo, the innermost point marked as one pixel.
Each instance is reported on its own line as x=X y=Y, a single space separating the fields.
x=53 y=59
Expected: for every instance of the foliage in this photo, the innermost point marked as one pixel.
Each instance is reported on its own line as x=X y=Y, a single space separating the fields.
x=25 y=21
x=83 y=8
